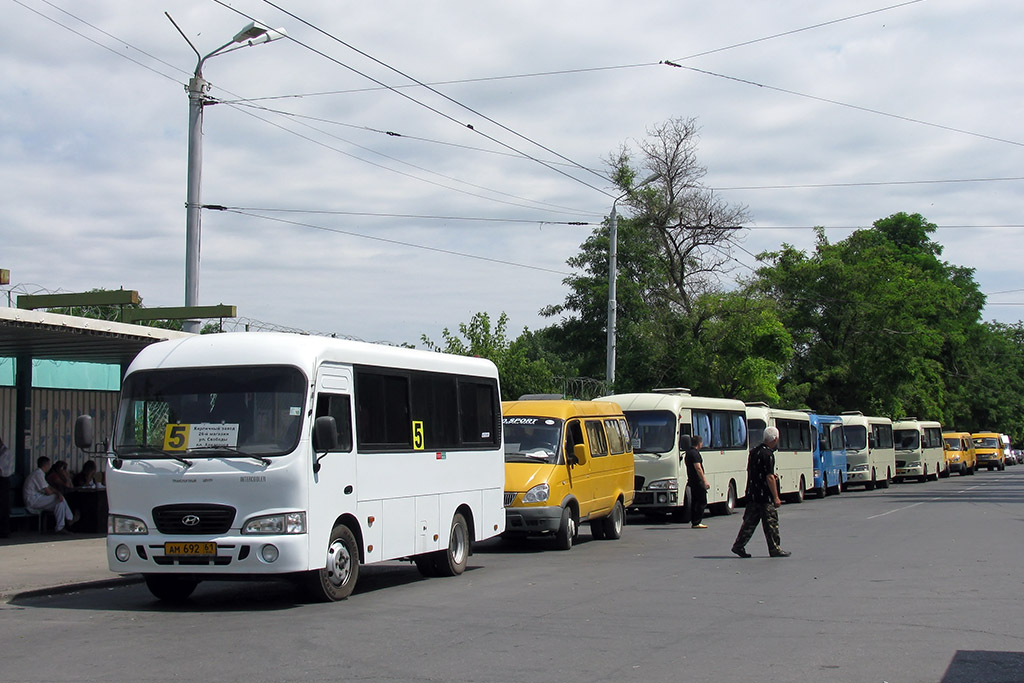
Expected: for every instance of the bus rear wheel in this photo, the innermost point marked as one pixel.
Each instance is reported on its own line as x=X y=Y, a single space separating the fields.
x=452 y=560
x=336 y=580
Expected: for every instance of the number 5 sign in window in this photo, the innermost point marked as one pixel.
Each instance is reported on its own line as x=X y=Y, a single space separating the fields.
x=418 y=440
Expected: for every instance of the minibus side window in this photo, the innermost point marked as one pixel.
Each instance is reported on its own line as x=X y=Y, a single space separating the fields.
x=598 y=442
x=616 y=444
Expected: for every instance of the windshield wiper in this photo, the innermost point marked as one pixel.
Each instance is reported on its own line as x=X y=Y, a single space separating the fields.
x=233 y=450
x=138 y=450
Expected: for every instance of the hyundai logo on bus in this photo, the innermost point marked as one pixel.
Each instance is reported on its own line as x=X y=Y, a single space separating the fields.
x=190 y=520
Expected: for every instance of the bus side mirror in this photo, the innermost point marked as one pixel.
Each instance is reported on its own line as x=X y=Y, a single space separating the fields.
x=84 y=432
x=578 y=455
x=325 y=437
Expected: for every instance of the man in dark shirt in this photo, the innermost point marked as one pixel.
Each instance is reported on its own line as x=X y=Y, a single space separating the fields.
x=697 y=483
x=762 y=497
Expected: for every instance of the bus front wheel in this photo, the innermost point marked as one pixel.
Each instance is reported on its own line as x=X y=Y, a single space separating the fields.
x=170 y=588
x=340 y=572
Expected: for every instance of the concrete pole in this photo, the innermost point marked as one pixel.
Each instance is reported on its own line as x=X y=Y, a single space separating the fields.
x=613 y=267
x=197 y=89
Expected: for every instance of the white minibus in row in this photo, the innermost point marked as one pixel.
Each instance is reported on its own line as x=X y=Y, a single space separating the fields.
x=794 y=457
x=258 y=455
x=657 y=420
x=919 y=452
x=870 y=456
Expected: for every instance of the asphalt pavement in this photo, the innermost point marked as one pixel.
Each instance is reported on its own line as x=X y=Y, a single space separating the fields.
x=34 y=563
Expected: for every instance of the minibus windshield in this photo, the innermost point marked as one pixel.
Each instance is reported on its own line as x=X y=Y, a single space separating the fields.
x=987 y=442
x=856 y=437
x=652 y=431
x=953 y=445
x=907 y=439
x=532 y=439
x=223 y=412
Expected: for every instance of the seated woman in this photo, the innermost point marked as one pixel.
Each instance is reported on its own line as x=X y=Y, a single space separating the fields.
x=87 y=477
x=59 y=477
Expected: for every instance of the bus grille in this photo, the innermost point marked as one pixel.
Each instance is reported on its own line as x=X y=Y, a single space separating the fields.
x=193 y=518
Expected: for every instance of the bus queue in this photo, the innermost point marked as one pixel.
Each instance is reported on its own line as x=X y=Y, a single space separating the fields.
x=256 y=455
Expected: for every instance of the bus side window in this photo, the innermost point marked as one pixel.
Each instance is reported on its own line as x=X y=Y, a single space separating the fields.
x=598 y=440
x=338 y=406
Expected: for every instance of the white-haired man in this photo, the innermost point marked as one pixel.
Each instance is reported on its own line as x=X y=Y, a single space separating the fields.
x=762 y=497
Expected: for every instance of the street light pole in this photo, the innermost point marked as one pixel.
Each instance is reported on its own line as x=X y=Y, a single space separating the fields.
x=613 y=273
x=253 y=34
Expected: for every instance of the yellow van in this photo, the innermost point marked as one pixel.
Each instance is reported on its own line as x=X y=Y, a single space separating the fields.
x=959 y=450
x=988 y=448
x=566 y=462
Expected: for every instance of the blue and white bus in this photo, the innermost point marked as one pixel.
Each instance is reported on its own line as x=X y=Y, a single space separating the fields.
x=829 y=454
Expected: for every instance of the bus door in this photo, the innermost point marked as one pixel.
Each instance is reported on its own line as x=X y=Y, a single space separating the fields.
x=334 y=488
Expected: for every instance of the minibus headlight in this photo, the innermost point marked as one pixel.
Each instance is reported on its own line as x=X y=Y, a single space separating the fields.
x=119 y=524
x=664 y=485
x=285 y=523
x=538 y=494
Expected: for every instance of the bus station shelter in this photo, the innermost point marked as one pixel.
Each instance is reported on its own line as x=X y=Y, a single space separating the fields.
x=29 y=335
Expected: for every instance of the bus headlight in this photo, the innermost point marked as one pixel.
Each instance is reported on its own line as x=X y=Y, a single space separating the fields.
x=538 y=494
x=664 y=485
x=859 y=468
x=285 y=523
x=119 y=524
x=913 y=464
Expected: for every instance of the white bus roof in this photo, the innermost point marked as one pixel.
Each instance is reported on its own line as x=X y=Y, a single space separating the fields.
x=303 y=351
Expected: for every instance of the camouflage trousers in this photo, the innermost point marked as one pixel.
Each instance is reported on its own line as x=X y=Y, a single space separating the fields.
x=768 y=515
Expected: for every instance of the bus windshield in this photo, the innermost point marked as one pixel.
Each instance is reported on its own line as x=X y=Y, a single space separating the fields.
x=907 y=439
x=755 y=430
x=652 y=431
x=223 y=411
x=856 y=437
x=532 y=439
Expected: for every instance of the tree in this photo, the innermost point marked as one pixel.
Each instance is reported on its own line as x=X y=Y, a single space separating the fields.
x=673 y=253
x=878 y=320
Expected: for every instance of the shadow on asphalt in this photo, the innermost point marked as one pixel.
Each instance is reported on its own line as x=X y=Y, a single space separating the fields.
x=969 y=666
x=221 y=596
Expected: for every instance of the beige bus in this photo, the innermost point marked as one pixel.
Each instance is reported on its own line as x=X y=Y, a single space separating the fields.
x=870 y=456
x=919 y=453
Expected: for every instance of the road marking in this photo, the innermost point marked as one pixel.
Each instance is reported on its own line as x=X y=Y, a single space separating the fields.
x=912 y=505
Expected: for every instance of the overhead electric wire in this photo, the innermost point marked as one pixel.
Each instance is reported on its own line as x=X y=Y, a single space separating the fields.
x=390 y=133
x=797 y=30
x=868 y=184
x=424 y=104
x=826 y=100
x=134 y=61
x=368 y=214
x=399 y=242
x=387 y=168
x=96 y=42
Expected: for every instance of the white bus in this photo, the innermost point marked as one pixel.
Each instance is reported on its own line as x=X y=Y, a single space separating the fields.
x=251 y=455
x=657 y=420
x=870 y=456
x=919 y=451
x=794 y=457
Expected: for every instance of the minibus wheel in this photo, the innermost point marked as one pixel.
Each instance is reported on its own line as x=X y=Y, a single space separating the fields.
x=341 y=568
x=566 y=530
x=170 y=588
x=614 y=522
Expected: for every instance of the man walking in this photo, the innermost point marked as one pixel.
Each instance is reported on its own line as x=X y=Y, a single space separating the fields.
x=697 y=483
x=762 y=497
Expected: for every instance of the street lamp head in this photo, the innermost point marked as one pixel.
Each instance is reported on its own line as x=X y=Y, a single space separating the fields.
x=256 y=33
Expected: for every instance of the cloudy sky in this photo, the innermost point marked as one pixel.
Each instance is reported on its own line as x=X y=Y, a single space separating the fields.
x=834 y=114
